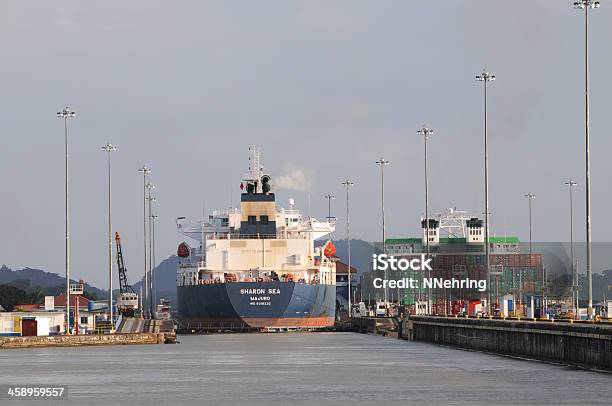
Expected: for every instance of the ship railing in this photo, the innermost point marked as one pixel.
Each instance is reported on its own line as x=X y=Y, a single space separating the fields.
x=291 y=212
x=217 y=281
x=288 y=236
x=224 y=212
x=192 y=265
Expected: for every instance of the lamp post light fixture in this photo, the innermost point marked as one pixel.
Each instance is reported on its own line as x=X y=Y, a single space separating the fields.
x=348 y=184
x=65 y=114
x=109 y=148
x=586 y=5
x=382 y=162
x=575 y=292
x=426 y=132
x=485 y=77
x=145 y=173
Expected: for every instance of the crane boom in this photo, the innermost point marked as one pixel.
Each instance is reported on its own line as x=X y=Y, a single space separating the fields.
x=124 y=286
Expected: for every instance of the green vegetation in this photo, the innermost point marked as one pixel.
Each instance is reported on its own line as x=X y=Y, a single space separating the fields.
x=11 y=296
x=20 y=292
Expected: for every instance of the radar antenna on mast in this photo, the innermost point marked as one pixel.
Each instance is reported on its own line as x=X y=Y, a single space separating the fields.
x=256 y=180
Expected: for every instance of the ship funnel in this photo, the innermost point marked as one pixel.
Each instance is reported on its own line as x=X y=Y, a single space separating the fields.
x=265 y=184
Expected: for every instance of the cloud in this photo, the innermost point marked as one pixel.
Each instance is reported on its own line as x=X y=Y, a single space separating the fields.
x=295 y=179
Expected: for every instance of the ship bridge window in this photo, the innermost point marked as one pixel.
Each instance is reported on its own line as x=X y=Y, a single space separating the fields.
x=252 y=220
x=263 y=219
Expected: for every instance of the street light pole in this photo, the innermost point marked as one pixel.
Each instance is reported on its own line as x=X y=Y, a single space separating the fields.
x=530 y=197
x=149 y=287
x=154 y=217
x=66 y=113
x=109 y=148
x=575 y=292
x=586 y=5
x=426 y=132
x=329 y=198
x=347 y=184
x=382 y=162
x=485 y=77
x=145 y=172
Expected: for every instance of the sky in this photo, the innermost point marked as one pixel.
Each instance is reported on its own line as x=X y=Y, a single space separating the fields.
x=324 y=88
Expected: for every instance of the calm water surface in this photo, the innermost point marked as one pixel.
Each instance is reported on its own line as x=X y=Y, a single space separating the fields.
x=296 y=368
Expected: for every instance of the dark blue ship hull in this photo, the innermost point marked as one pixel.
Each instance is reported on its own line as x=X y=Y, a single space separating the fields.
x=257 y=305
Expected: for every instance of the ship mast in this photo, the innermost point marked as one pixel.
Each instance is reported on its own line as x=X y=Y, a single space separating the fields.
x=255 y=170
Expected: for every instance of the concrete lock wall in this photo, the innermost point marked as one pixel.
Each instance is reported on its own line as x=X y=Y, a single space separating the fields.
x=80 y=340
x=589 y=345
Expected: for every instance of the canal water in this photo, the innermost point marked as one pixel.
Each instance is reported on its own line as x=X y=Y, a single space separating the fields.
x=295 y=368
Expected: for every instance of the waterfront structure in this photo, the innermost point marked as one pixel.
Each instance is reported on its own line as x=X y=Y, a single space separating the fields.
x=33 y=322
x=256 y=267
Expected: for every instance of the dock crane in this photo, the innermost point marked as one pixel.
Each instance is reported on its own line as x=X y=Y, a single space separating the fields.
x=127 y=302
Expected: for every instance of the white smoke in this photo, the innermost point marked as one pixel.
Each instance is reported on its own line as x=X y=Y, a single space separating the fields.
x=296 y=179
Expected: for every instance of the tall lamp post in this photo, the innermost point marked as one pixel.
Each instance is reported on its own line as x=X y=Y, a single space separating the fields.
x=586 y=5
x=485 y=77
x=109 y=148
x=329 y=198
x=575 y=292
x=382 y=162
x=149 y=287
x=145 y=172
x=65 y=114
x=426 y=132
x=153 y=217
x=347 y=184
x=530 y=197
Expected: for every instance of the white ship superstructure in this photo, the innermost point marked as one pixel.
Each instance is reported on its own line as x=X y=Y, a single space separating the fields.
x=290 y=251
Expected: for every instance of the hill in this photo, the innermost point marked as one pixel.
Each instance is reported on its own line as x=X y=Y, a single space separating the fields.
x=27 y=279
x=165 y=279
x=361 y=253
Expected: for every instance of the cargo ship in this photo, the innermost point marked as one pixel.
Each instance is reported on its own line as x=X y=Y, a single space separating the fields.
x=256 y=267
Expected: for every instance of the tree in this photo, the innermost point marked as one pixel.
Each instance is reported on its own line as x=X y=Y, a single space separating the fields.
x=11 y=296
x=37 y=295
